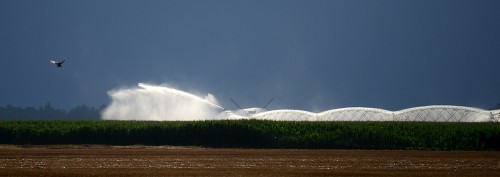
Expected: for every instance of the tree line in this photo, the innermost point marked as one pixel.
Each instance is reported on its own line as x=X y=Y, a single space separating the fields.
x=47 y=112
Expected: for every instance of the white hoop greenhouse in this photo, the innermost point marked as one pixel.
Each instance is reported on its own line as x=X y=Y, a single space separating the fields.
x=435 y=113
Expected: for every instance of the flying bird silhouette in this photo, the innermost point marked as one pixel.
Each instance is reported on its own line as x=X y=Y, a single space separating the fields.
x=58 y=63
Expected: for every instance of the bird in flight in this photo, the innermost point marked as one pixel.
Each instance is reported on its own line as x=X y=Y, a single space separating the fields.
x=58 y=63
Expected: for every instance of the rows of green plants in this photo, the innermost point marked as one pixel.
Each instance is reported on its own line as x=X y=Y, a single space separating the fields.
x=258 y=134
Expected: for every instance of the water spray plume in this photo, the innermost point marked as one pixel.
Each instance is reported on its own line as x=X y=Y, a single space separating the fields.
x=151 y=102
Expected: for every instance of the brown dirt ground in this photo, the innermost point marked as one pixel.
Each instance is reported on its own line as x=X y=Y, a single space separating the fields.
x=144 y=161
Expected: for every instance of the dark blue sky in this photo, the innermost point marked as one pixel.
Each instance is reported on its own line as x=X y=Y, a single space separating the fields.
x=313 y=55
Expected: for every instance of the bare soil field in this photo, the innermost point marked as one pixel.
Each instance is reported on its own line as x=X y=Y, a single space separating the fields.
x=144 y=161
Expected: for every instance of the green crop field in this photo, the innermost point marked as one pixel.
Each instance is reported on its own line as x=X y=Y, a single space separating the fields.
x=258 y=134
